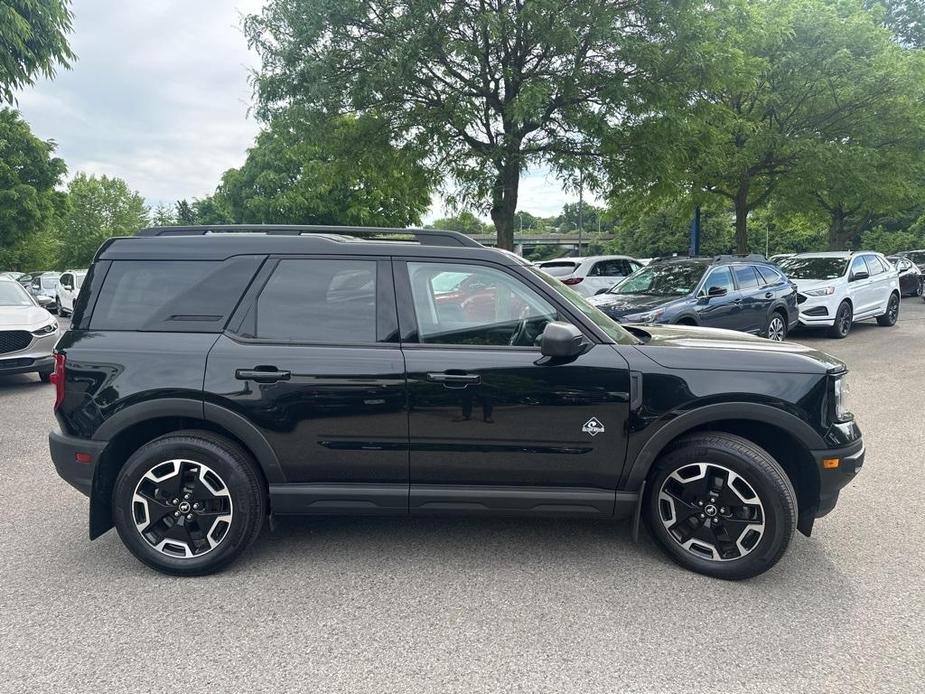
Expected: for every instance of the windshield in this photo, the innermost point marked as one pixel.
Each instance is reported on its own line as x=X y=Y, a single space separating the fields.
x=613 y=329
x=12 y=294
x=818 y=268
x=917 y=257
x=558 y=269
x=675 y=279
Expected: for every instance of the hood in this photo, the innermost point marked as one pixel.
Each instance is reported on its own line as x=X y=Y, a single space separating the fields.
x=803 y=285
x=689 y=347
x=23 y=317
x=619 y=305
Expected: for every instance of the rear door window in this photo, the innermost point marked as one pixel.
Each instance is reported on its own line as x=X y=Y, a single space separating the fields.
x=172 y=295
x=746 y=277
x=873 y=265
x=768 y=275
x=610 y=268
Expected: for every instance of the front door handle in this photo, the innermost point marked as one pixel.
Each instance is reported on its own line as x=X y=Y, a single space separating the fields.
x=455 y=380
x=262 y=374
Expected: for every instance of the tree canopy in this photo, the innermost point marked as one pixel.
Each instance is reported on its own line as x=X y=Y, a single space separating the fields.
x=487 y=87
x=33 y=41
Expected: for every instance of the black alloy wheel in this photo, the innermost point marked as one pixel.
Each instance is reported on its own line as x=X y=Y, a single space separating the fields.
x=891 y=315
x=844 y=317
x=721 y=506
x=777 y=328
x=189 y=503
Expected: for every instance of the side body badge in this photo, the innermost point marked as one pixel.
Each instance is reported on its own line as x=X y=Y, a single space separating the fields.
x=593 y=427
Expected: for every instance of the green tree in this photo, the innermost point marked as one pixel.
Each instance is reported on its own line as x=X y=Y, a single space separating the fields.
x=29 y=204
x=465 y=221
x=33 y=40
x=162 y=216
x=905 y=18
x=185 y=214
x=98 y=208
x=666 y=230
x=343 y=170
x=487 y=87
x=780 y=81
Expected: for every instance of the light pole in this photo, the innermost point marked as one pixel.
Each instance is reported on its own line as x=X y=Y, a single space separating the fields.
x=581 y=191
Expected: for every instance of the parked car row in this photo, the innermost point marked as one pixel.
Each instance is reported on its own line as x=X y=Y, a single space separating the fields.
x=54 y=291
x=28 y=332
x=751 y=294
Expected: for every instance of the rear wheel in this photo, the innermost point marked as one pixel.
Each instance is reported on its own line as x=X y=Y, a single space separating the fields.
x=189 y=503
x=45 y=376
x=844 y=317
x=721 y=506
x=891 y=315
x=776 y=329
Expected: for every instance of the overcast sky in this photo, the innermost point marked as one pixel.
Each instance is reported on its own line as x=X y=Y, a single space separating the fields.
x=159 y=96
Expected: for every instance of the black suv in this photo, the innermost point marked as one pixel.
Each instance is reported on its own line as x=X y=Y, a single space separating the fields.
x=746 y=293
x=212 y=378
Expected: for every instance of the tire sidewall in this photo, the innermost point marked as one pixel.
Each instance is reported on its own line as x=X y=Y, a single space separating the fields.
x=780 y=520
x=776 y=316
x=843 y=306
x=245 y=506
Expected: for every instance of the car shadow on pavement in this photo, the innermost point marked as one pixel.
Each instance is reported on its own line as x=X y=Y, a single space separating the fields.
x=18 y=383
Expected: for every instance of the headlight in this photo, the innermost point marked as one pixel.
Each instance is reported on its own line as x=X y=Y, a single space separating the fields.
x=820 y=291
x=46 y=330
x=647 y=317
x=840 y=391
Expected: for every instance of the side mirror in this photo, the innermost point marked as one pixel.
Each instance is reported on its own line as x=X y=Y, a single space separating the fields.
x=562 y=341
x=602 y=291
x=717 y=291
x=862 y=275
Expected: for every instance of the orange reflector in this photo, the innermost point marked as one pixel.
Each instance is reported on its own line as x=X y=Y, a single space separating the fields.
x=83 y=457
x=830 y=463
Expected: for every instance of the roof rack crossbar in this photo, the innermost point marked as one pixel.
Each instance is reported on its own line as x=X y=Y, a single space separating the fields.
x=426 y=237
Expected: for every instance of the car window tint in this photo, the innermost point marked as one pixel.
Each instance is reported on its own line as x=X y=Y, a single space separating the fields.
x=746 y=277
x=559 y=269
x=610 y=268
x=858 y=265
x=329 y=301
x=885 y=264
x=488 y=307
x=171 y=295
x=873 y=265
x=768 y=275
x=719 y=277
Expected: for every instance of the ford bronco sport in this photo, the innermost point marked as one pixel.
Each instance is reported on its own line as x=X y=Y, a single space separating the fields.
x=214 y=376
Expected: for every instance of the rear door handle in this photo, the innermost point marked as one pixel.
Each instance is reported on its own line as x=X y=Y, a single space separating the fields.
x=262 y=374
x=450 y=380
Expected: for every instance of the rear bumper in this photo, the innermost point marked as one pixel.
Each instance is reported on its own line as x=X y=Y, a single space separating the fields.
x=25 y=365
x=64 y=450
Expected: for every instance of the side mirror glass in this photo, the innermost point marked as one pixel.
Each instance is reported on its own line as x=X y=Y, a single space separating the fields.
x=562 y=341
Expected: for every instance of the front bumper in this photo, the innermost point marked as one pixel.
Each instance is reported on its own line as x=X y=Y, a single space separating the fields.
x=818 y=311
x=64 y=450
x=832 y=479
x=25 y=365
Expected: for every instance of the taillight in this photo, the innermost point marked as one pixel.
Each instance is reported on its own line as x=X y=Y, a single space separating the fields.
x=573 y=280
x=57 y=377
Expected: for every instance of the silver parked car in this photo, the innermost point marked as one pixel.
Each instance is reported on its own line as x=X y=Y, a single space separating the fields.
x=28 y=333
x=44 y=287
x=592 y=274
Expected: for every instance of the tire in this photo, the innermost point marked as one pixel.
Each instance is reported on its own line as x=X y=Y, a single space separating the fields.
x=189 y=471
x=776 y=329
x=919 y=288
x=891 y=315
x=844 y=317
x=45 y=376
x=750 y=520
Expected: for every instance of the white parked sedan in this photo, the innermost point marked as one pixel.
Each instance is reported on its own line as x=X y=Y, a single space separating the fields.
x=840 y=287
x=28 y=333
x=592 y=274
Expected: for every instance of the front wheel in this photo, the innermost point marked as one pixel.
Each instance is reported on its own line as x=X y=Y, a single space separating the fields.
x=891 y=315
x=189 y=503
x=720 y=505
x=844 y=317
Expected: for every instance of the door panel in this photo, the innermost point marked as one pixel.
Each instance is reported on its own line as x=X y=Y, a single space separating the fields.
x=720 y=311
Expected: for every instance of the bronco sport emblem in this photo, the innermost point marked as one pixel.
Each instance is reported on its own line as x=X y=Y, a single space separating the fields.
x=593 y=427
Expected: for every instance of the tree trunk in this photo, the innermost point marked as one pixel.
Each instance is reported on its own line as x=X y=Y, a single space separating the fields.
x=504 y=199
x=741 y=209
x=839 y=235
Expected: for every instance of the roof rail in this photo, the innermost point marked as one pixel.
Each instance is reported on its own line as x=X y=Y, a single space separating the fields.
x=426 y=237
x=754 y=257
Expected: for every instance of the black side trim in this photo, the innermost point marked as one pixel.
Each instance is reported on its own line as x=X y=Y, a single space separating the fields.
x=637 y=512
x=639 y=469
x=149 y=409
x=339 y=499
x=478 y=499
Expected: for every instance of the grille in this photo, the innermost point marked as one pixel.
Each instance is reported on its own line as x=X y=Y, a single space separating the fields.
x=14 y=340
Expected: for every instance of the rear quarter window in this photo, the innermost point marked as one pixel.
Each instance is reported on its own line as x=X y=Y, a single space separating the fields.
x=172 y=295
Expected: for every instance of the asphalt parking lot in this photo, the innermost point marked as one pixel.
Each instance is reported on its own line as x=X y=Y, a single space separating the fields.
x=388 y=605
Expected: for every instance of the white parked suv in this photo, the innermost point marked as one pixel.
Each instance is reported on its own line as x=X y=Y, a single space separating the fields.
x=28 y=333
x=68 y=288
x=592 y=274
x=840 y=287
